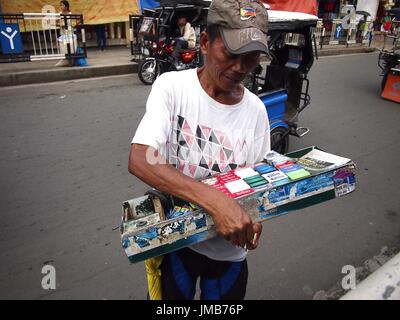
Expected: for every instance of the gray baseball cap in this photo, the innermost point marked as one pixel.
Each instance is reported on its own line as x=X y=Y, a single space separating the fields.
x=243 y=24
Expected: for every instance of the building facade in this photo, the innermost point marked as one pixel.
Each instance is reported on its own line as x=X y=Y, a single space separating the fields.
x=336 y=9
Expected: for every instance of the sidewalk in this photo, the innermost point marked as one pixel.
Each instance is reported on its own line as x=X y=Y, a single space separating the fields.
x=113 y=61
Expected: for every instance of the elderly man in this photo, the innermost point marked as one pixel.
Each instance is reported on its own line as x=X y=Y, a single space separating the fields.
x=201 y=122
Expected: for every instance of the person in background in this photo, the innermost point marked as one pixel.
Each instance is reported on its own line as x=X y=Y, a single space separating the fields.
x=101 y=36
x=64 y=9
x=186 y=37
x=360 y=28
x=386 y=23
x=64 y=5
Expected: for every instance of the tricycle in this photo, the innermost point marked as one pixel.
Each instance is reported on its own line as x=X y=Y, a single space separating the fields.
x=280 y=80
x=389 y=63
x=154 y=37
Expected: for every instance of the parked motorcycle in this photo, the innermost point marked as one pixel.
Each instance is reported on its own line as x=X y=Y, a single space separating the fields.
x=389 y=63
x=160 y=60
x=386 y=62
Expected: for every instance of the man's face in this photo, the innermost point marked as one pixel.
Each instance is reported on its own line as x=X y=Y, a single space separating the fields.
x=182 y=21
x=226 y=69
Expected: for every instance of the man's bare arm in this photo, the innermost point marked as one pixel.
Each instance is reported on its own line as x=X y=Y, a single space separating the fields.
x=231 y=221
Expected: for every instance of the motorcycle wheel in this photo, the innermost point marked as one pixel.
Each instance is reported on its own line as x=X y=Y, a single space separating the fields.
x=148 y=71
x=283 y=145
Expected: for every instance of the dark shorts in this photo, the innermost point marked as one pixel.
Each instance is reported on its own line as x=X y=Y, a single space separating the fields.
x=219 y=280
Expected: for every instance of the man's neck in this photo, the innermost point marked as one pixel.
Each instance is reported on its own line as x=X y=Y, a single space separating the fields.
x=230 y=97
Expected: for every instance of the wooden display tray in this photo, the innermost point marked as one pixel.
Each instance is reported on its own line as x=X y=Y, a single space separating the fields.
x=145 y=233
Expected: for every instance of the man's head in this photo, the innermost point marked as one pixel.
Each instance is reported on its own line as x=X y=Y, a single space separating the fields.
x=64 y=5
x=182 y=20
x=234 y=38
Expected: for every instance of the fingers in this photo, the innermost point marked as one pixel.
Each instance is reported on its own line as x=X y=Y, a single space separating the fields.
x=253 y=244
x=245 y=233
x=257 y=227
x=234 y=239
x=250 y=233
x=242 y=238
x=239 y=238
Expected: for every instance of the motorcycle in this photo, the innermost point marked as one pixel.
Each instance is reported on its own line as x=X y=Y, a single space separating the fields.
x=387 y=61
x=160 y=60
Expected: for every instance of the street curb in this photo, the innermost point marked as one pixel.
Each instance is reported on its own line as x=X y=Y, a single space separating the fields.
x=65 y=73
x=383 y=284
x=343 y=51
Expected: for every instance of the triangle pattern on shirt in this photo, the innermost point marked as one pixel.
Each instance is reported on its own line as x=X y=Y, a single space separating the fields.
x=199 y=133
x=189 y=138
x=206 y=131
x=180 y=122
x=213 y=138
x=203 y=152
x=186 y=128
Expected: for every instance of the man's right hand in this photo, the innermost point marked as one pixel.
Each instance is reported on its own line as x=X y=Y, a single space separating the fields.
x=232 y=222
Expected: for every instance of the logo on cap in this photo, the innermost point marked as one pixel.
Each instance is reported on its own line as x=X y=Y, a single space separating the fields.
x=247 y=13
x=247 y=35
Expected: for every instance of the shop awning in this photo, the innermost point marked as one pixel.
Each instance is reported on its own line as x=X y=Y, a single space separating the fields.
x=94 y=11
x=306 y=6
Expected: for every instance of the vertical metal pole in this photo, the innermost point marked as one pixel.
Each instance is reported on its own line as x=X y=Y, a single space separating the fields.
x=83 y=31
x=127 y=33
x=37 y=31
x=51 y=38
x=67 y=40
x=56 y=37
x=45 y=40
x=23 y=19
x=119 y=31
x=157 y=30
x=131 y=33
x=70 y=25
x=322 y=37
x=111 y=31
x=315 y=46
x=33 y=37
x=84 y=41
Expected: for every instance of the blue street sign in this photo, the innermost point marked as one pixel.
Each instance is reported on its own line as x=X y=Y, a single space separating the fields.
x=10 y=38
x=338 y=31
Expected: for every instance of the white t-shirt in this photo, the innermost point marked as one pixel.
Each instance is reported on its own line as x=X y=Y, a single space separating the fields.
x=202 y=137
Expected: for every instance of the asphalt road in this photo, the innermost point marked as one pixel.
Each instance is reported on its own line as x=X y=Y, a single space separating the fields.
x=63 y=177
